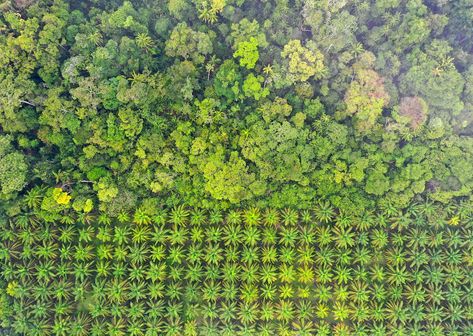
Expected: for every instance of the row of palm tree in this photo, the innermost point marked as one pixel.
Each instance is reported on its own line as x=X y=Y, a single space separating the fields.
x=183 y=271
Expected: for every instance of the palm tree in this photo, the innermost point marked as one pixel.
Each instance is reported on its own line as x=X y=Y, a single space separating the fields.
x=342 y=329
x=251 y=235
x=213 y=254
x=344 y=238
x=66 y=234
x=324 y=257
x=228 y=329
x=362 y=256
x=324 y=235
x=159 y=234
x=324 y=212
x=268 y=274
x=249 y=293
x=307 y=234
x=289 y=216
x=194 y=253
x=249 y=273
x=269 y=235
x=269 y=254
x=178 y=235
x=271 y=217
x=213 y=234
x=123 y=217
x=306 y=216
x=395 y=312
x=215 y=217
x=229 y=291
x=140 y=234
x=228 y=311
x=305 y=310
x=197 y=234
x=232 y=234
x=306 y=254
x=286 y=291
x=233 y=217
x=379 y=238
x=117 y=291
x=304 y=328
x=121 y=235
x=285 y=311
x=232 y=253
x=269 y=292
x=141 y=217
x=144 y=42
x=247 y=312
x=160 y=217
x=252 y=216
x=266 y=329
x=86 y=234
x=197 y=217
x=61 y=327
x=156 y=272
x=80 y=325
x=34 y=197
x=104 y=233
x=190 y=328
x=173 y=327
x=343 y=275
x=210 y=291
x=179 y=215
x=360 y=292
x=287 y=273
x=288 y=236
x=401 y=222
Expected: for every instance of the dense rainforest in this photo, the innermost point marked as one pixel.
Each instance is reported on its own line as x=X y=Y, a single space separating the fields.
x=236 y=167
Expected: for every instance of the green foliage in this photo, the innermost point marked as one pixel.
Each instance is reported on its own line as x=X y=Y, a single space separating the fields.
x=252 y=87
x=247 y=30
x=366 y=96
x=224 y=103
x=228 y=80
x=302 y=62
x=279 y=150
x=214 y=167
x=231 y=180
x=187 y=43
x=248 y=53
x=259 y=270
x=13 y=167
x=433 y=77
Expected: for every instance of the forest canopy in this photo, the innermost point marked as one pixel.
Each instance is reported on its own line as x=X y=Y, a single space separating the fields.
x=218 y=104
x=236 y=167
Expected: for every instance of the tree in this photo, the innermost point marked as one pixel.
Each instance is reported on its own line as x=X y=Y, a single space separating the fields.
x=280 y=151
x=187 y=43
x=366 y=96
x=17 y=114
x=227 y=80
x=126 y=17
x=228 y=178
x=279 y=110
x=377 y=182
x=208 y=111
x=246 y=30
x=252 y=87
x=13 y=167
x=302 y=63
x=208 y=9
x=434 y=78
x=414 y=111
x=248 y=53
